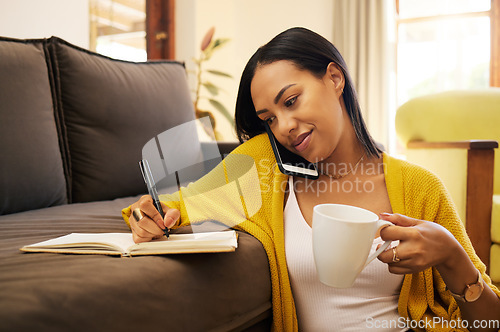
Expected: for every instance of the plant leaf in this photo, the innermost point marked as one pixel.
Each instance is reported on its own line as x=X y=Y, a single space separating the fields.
x=219 y=73
x=208 y=52
x=221 y=108
x=220 y=42
x=214 y=90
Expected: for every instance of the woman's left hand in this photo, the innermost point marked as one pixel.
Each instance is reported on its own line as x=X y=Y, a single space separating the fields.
x=422 y=244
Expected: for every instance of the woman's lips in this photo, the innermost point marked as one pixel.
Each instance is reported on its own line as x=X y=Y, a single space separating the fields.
x=302 y=142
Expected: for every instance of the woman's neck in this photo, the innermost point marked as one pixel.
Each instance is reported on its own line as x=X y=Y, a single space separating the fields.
x=348 y=151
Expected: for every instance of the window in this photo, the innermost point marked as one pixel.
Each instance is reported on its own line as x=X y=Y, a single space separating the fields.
x=134 y=30
x=117 y=29
x=443 y=45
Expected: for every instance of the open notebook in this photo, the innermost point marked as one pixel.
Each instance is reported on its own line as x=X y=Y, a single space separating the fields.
x=122 y=244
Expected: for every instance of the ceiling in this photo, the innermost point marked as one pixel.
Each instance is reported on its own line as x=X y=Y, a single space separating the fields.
x=120 y=21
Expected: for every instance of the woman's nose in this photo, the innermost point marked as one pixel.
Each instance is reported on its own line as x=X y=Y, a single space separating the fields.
x=286 y=124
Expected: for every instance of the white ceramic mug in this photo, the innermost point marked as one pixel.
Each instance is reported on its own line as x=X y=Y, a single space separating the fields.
x=342 y=238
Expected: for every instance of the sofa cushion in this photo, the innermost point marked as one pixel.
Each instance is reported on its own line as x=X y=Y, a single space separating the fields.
x=62 y=292
x=110 y=110
x=31 y=168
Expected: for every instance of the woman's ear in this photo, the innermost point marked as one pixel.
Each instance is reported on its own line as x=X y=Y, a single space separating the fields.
x=335 y=74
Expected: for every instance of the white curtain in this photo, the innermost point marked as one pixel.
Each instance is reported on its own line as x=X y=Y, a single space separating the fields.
x=364 y=33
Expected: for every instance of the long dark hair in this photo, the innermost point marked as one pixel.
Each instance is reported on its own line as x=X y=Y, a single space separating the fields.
x=308 y=51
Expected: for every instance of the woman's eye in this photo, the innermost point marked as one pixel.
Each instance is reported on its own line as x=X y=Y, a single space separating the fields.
x=291 y=101
x=269 y=120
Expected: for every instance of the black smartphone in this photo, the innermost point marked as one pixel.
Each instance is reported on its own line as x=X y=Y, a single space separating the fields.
x=290 y=163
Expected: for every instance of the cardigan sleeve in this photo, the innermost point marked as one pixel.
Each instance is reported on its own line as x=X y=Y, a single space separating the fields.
x=230 y=193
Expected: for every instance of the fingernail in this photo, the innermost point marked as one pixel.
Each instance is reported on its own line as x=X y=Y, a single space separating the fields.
x=168 y=220
x=385 y=214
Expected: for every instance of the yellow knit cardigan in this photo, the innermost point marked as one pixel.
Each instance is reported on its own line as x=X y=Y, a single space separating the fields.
x=412 y=191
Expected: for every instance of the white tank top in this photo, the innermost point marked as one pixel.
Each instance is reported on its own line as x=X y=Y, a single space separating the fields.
x=370 y=303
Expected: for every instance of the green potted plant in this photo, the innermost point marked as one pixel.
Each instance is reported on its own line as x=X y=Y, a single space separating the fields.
x=208 y=47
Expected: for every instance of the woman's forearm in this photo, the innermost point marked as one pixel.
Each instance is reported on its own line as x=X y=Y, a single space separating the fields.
x=457 y=273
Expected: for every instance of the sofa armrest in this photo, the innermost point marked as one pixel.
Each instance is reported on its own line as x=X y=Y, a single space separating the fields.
x=478 y=182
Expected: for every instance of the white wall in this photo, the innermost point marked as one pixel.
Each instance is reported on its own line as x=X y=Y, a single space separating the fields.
x=67 y=19
x=249 y=24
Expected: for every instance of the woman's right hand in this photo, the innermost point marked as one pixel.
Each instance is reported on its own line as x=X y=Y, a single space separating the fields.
x=151 y=225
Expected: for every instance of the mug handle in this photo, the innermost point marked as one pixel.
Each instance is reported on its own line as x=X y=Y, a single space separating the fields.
x=380 y=223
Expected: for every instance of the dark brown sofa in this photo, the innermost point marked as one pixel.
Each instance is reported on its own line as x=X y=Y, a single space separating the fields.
x=73 y=124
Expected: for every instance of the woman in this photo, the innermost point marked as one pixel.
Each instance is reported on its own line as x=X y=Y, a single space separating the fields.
x=299 y=85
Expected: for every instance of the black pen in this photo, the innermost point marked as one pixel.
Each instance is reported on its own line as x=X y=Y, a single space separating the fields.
x=150 y=183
